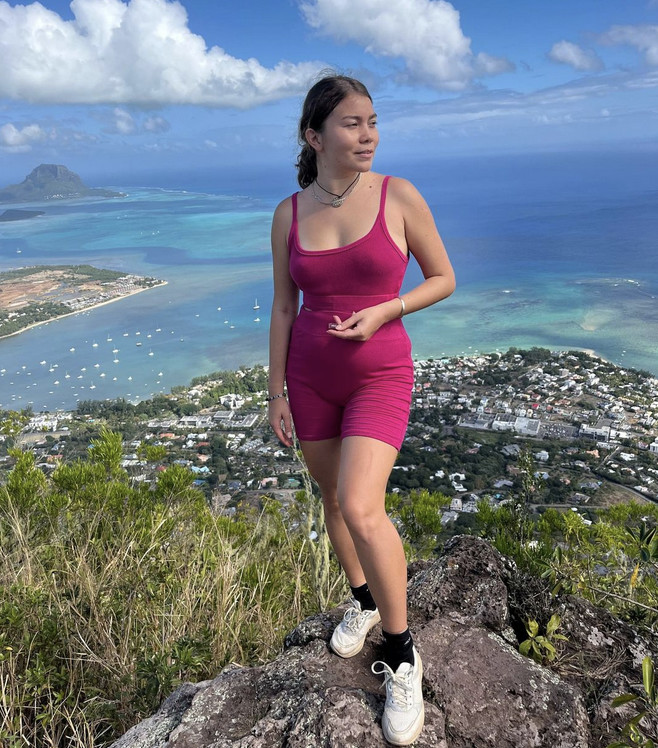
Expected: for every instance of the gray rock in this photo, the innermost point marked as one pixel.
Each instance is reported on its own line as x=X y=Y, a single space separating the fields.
x=479 y=691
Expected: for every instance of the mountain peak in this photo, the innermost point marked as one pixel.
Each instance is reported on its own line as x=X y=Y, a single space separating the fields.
x=51 y=182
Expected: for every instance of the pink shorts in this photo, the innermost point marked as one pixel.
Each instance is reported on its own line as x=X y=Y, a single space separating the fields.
x=348 y=388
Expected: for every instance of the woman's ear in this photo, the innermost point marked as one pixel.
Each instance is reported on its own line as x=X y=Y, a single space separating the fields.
x=314 y=139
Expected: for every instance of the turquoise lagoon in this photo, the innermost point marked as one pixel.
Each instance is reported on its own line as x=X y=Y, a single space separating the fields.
x=568 y=260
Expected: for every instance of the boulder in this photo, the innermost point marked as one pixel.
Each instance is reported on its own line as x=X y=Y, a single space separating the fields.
x=466 y=615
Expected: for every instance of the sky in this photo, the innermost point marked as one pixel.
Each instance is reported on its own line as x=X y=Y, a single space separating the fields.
x=118 y=89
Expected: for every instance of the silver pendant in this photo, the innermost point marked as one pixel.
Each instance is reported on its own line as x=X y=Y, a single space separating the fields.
x=337 y=202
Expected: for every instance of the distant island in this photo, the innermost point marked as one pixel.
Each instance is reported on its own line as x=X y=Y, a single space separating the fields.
x=51 y=182
x=31 y=296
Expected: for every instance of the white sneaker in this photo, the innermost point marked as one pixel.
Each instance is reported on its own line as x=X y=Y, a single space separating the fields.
x=404 y=711
x=350 y=634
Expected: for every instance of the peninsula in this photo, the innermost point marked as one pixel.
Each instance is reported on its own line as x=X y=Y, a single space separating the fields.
x=33 y=295
x=51 y=182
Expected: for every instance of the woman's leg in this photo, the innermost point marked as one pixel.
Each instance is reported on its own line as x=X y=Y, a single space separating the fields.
x=365 y=465
x=323 y=461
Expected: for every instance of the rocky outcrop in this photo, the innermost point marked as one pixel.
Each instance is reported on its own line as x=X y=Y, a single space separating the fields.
x=467 y=615
x=51 y=182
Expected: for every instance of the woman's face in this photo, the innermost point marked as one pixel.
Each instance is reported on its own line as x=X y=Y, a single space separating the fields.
x=349 y=137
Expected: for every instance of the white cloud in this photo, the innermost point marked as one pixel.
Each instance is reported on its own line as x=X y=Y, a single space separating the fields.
x=20 y=140
x=580 y=101
x=425 y=34
x=578 y=58
x=156 y=124
x=123 y=123
x=643 y=37
x=137 y=52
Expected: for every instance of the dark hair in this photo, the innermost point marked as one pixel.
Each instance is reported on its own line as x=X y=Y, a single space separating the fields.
x=321 y=100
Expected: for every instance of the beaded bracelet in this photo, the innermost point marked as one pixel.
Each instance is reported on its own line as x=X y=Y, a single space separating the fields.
x=269 y=398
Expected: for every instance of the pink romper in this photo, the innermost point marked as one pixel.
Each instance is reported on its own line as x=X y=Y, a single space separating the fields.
x=344 y=387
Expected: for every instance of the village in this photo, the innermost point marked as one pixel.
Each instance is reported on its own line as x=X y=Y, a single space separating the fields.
x=588 y=427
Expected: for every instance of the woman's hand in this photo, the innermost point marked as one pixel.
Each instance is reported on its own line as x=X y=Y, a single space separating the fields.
x=278 y=412
x=362 y=325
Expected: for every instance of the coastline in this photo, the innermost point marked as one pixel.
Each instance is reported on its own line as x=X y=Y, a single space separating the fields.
x=86 y=309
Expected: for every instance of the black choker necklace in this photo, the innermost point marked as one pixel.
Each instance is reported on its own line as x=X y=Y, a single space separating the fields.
x=338 y=200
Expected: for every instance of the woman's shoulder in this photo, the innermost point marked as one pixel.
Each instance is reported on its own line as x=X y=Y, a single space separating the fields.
x=284 y=209
x=403 y=191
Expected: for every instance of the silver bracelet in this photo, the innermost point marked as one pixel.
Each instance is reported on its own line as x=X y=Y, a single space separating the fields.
x=404 y=306
x=269 y=398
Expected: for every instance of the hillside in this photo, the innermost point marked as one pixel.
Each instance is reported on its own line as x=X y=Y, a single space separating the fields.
x=51 y=182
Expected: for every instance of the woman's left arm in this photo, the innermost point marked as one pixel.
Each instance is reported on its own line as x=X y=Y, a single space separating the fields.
x=425 y=244
x=415 y=221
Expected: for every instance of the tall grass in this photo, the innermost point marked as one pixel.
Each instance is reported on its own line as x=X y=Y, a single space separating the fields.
x=112 y=594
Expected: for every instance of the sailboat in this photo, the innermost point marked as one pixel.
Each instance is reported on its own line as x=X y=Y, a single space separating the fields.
x=256 y=304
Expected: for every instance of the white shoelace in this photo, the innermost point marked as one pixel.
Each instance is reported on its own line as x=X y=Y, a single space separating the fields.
x=354 y=617
x=399 y=688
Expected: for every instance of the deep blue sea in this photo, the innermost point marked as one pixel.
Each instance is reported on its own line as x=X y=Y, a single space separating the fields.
x=557 y=250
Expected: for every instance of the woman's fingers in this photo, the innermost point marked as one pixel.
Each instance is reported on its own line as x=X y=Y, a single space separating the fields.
x=281 y=423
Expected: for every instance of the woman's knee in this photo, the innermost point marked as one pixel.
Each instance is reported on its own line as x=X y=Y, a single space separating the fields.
x=363 y=521
x=330 y=503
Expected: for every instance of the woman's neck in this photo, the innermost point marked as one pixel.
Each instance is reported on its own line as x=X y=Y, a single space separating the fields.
x=334 y=183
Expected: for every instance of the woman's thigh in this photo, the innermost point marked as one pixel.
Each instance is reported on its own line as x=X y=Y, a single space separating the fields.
x=365 y=466
x=322 y=459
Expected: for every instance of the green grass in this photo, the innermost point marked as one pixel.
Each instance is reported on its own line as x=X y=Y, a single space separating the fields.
x=113 y=594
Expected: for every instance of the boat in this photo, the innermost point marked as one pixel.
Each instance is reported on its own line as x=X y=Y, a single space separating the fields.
x=137 y=344
x=257 y=319
x=256 y=304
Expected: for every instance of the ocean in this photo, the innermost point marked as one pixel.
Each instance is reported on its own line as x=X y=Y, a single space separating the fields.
x=554 y=250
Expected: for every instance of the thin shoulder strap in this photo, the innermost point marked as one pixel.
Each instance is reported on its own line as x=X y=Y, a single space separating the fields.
x=382 y=199
x=293 y=226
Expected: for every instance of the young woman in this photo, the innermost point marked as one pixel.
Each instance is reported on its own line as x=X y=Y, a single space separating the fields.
x=340 y=367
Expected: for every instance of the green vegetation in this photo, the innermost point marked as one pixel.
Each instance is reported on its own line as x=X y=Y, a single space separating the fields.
x=633 y=731
x=31 y=315
x=112 y=594
x=541 y=648
x=88 y=272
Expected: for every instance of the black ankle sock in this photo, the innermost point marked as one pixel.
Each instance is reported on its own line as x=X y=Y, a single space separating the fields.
x=398 y=648
x=362 y=595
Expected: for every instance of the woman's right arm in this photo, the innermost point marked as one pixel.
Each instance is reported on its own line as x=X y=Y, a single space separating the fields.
x=284 y=311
